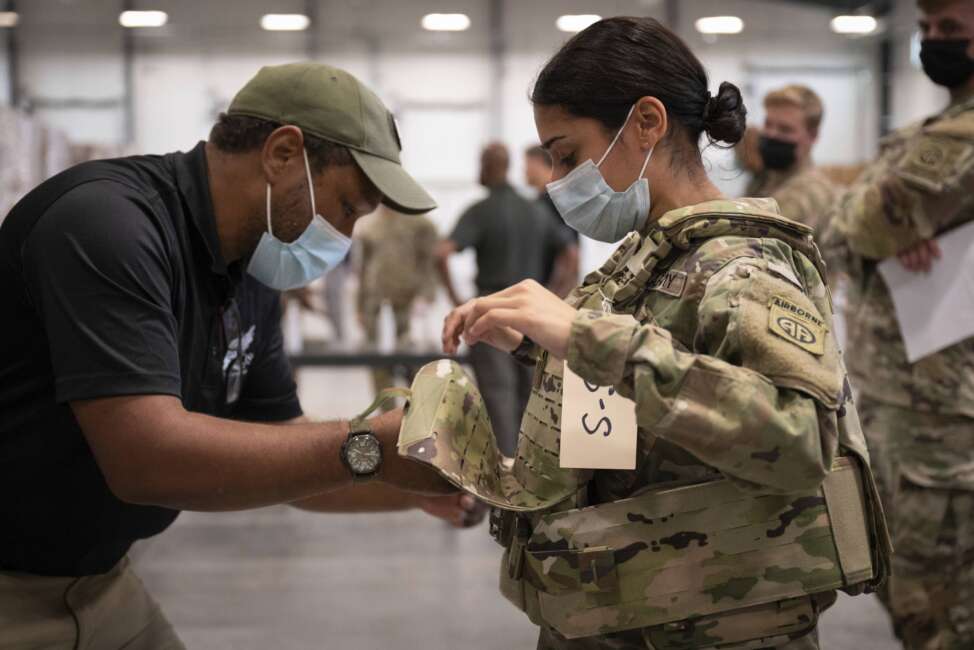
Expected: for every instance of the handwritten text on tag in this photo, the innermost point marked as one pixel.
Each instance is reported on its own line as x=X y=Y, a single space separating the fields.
x=598 y=426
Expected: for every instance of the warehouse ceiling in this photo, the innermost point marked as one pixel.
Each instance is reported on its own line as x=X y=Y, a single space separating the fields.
x=875 y=8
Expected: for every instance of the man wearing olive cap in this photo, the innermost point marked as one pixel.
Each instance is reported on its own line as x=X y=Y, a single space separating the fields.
x=141 y=365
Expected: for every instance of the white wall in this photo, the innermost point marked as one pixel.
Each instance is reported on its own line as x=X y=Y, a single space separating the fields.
x=439 y=84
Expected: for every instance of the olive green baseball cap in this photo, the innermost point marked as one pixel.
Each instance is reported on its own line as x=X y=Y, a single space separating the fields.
x=333 y=105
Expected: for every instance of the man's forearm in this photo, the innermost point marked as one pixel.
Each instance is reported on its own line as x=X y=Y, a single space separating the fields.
x=154 y=452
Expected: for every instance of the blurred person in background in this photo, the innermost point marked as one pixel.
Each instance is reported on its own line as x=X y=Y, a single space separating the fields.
x=918 y=417
x=509 y=234
x=396 y=268
x=142 y=370
x=784 y=169
x=561 y=256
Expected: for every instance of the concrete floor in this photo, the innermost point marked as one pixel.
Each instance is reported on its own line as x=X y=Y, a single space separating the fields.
x=283 y=579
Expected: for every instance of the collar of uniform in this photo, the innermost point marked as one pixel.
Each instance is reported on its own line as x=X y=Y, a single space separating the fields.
x=749 y=206
x=193 y=179
x=957 y=106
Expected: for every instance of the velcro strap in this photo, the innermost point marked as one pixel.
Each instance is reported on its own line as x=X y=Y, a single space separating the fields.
x=358 y=422
x=845 y=502
x=597 y=569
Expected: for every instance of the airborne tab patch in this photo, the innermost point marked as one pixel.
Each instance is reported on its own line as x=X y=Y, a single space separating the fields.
x=797 y=325
x=672 y=283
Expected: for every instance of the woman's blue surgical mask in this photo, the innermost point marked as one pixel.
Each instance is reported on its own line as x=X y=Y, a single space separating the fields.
x=319 y=249
x=589 y=205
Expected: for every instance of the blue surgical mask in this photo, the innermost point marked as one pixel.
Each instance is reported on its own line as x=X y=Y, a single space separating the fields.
x=319 y=249
x=589 y=205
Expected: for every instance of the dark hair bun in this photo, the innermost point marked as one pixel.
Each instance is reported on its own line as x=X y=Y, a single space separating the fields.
x=725 y=116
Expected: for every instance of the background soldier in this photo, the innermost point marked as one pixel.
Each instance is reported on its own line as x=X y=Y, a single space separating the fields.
x=918 y=417
x=395 y=267
x=785 y=171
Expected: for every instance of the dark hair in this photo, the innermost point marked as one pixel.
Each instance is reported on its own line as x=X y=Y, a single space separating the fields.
x=538 y=152
x=602 y=71
x=241 y=133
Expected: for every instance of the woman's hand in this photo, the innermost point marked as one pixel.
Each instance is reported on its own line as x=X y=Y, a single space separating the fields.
x=502 y=319
x=505 y=339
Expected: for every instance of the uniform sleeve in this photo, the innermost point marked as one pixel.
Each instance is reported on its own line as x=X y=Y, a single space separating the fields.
x=269 y=393
x=425 y=245
x=469 y=230
x=752 y=402
x=908 y=196
x=364 y=260
x=98 y=271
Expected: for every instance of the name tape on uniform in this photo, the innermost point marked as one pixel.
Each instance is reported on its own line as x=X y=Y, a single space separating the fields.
x=598 y=426
x=797 y=325
x=672 y=283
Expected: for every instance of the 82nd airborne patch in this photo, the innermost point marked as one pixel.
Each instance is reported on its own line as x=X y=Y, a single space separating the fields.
x=797 y=325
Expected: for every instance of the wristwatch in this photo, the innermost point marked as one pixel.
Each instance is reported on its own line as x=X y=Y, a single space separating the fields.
x=362 y=452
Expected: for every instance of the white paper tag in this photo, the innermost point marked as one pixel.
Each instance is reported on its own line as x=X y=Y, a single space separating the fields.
x=598 y=426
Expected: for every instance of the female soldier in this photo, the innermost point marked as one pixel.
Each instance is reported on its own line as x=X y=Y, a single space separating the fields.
x=713 y=318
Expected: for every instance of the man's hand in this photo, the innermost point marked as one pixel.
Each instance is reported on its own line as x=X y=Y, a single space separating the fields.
x=920 y=258
x=460 y=510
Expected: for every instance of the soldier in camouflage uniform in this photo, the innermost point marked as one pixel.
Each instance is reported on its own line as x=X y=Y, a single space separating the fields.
x=918 y=417
x=787 y=173
x=712 y=316
x=396 y=267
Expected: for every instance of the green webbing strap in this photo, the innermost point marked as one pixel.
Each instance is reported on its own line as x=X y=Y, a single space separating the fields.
x=358 y=422
x=845 y=501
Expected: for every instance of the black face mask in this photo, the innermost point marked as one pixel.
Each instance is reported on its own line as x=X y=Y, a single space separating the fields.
x=776 y=154
x=946 y=61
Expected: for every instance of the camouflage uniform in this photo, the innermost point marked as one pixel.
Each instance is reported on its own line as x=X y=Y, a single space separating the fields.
x=804 y=194
x=717 y=324
x=919 y=417
x=397 y=267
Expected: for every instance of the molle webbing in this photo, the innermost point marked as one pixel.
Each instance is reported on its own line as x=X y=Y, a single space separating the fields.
x=687 y=552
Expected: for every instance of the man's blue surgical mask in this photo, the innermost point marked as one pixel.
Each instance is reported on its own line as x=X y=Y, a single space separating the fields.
x=589 y=205
x=319 y=249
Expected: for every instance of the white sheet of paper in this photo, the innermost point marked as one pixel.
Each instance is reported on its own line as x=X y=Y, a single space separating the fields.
x=935 y=310
x=598 y=426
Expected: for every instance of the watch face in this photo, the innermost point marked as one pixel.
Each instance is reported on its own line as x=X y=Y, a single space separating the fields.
x=363 y=454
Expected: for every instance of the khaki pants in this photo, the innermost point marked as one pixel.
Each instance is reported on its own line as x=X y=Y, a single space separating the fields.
x=101 y=612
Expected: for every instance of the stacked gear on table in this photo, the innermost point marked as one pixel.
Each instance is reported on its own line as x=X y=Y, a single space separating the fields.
x=699 y=561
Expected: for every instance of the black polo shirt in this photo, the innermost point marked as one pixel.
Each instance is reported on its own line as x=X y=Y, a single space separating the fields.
x=113 y=283
x=510 y=235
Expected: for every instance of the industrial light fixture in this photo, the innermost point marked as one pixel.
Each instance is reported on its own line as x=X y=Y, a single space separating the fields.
x=143 y=18
x=854 y=24
x=9 y=18
x=284 y=22
x=719 y=25
x=576 y=22
x=446 y=22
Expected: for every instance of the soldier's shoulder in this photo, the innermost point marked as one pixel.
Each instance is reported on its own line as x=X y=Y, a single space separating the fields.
x=956 y=123
x=720 y=209
x=815 y=175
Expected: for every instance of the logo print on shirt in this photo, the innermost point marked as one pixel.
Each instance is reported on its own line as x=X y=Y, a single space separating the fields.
x=235 y=346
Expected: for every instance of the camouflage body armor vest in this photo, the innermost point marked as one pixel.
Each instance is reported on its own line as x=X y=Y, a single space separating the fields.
x=674 y=547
